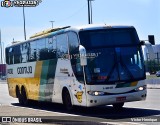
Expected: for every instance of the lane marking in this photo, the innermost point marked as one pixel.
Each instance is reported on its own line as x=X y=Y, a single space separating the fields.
x=122 y=123
x=44 y=110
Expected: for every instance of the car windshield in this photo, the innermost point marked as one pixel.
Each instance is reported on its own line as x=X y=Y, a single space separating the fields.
x=115 y=61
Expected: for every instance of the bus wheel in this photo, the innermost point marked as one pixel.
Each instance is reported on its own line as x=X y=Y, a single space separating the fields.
x=24 y=97
x=19 y=96
x=118 y=106
x=67 y=100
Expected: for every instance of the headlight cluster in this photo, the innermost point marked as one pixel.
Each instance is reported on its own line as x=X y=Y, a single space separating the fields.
x=141 y=88
x=96 y=93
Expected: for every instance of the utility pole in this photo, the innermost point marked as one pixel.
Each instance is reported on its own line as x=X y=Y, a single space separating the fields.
x=24 y=24
x=90 y=11
x=89 y=20
x=1 y=48
x=52 y=23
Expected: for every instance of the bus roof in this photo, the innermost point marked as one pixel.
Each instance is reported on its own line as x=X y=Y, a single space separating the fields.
x=94 y=27
x=59 y=30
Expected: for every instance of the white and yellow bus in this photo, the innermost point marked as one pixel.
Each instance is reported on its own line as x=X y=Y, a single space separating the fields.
x=84 y=66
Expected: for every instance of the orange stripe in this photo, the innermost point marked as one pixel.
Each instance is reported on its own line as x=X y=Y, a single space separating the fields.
x=134 y=83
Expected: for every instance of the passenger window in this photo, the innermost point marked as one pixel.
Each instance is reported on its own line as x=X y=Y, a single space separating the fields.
x=17 y=54
x=73 y=42
x=62 y=46
x=32 y=52
x=51 y=47
x=24 y=52
x=41 y=49
x=10 y=55
x=7 y=55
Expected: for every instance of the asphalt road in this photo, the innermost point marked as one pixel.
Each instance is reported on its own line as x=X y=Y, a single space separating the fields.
x=133 y=112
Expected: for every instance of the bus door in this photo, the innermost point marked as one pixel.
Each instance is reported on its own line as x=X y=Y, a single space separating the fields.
x=77 y=77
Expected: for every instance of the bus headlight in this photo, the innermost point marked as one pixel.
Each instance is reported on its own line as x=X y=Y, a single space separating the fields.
x=96 y=93
x=141 y=88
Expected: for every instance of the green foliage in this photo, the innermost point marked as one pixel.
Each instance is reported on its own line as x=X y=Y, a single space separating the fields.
x=152 y=66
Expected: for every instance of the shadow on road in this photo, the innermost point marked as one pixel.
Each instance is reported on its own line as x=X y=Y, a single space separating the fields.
x=103 y=112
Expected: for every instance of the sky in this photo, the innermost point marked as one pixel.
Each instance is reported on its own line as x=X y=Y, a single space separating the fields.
x=144 y=15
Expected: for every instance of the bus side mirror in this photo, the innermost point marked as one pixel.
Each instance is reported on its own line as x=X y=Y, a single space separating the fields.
x=82 y=52
x=151 y=39
x=142 y=43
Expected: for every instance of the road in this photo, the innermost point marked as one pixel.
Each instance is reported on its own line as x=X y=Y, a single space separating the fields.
x=133 y=111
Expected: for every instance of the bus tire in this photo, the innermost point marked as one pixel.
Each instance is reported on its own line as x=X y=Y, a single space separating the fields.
x=24 y=96
x=19 y=96
x=118 y=106
x=67 y=100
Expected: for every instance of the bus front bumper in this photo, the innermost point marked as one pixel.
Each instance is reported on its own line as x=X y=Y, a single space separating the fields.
x=112 y=99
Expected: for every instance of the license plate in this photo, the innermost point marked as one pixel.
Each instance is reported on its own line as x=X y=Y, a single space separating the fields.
x=121 y=99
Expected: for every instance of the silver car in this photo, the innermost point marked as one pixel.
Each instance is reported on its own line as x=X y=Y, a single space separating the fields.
x=158 y=73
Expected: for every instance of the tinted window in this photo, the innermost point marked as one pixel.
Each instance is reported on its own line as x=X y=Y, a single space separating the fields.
x=24 y=52
x=32 y=51
x=51 y=47
x=74 y=50
x=10 y=55
x=62 y=46
x=7 y=55
x=6 y=50
x=41 y=49
x=109 y=37
x=73 y=41
x=17 y=54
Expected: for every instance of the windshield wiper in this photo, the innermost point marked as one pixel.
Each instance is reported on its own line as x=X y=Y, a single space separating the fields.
x=127 y=70
x=112 y=69
x=117 y=61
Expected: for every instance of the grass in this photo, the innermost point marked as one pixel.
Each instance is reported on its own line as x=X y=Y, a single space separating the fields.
x=151 y=77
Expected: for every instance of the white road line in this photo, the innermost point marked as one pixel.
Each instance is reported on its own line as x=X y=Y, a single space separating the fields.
x=122 y=123
x=45 y=111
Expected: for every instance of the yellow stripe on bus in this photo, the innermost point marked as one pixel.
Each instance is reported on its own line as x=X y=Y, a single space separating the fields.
x=31 y=86
x=38 y=69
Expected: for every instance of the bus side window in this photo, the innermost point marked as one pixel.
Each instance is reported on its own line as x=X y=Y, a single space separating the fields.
x=17 y=54
x=11 y=56
x=62 y=46
x=7 y=55
x=41 y=49
x=74 y=52
x=32 y=51
x=24 y=52
x=51 y=47
x=73 y=42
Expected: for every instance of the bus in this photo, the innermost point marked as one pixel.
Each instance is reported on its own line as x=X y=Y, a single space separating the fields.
x=85 y=66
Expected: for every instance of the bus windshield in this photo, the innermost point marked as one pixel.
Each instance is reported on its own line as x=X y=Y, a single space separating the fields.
x=112 y=56
x=109 y=37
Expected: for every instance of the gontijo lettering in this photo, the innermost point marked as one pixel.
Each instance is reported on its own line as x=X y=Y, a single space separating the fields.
x=10 y=71
x=24 y=70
